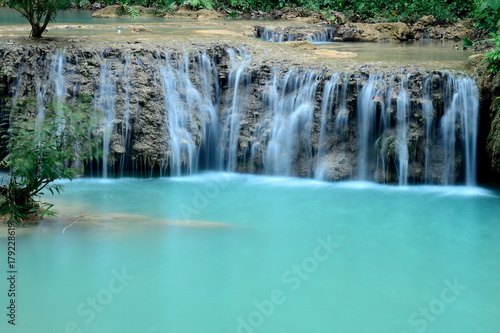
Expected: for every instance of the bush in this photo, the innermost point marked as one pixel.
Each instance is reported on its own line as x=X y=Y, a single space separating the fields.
x=40 y=151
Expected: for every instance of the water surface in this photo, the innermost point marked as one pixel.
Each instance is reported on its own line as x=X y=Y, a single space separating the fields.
x=251 y=239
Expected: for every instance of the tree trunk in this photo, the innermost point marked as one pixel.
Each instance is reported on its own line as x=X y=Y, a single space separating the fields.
x=36 y=30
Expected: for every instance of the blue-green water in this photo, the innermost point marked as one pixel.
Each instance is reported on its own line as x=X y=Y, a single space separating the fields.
x=10 y=16
x=259 y=254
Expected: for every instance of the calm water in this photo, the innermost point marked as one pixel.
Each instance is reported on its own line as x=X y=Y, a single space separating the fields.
x=285 y=255
x=9 y=16
x=411 y=52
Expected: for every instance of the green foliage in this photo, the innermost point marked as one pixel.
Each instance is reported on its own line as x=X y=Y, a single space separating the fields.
x=40 y=151
x=488 y=15
x=132 y=11
x=371 y=10
x=38 y=13
x=467 y=42
x=493 y=57
x=200 y=4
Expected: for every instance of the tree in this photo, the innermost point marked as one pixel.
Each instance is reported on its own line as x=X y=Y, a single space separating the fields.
x=40 y=151
x=38 y=12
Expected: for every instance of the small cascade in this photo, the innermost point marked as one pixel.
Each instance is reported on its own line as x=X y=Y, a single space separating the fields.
x=402 y=115
x=366 y=110
x=41 y=92
x=462 y=109
x=386 y=107
x=54 y=76
x=330 y=97
x=58 y=65
x=291 y=102
x=427 y=112
x=342 y=117
x=272 y=35
x=209 y=104
x=237 y=84
x=468 y=101
x=322 y=36
x=180 y=98
x=448 y=132
x=125 y=123
x=105 y=109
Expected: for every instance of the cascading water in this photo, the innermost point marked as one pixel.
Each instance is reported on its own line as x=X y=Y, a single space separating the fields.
x=180 y=100
x=461 y=96
x=291 y=104
x=282 y=123
x=209 y=100
x=234 y=115
x=105 y=109
x=270 y=35
x=427 y=111
x=326 y=108
x=125 y=123
x=322 y=36
x=402 y=114
x=366 y=123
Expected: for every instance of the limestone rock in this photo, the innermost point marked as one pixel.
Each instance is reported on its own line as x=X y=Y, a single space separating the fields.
x=301 y=45
x=428 y=20
x=141 y=28
x=205 y=14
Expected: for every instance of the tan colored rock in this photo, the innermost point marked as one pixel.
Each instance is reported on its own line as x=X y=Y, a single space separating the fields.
x=335 y=54
x=475 y=61
x=141 y=28
x=396 y=30
x=205 y=14
x=427 y=20
x=307 y=20
x=182 y=13
x=301 y=45
x=364 y=32
x=457 y=32
x=109 y=11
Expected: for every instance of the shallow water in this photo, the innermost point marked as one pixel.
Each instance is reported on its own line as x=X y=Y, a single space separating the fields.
x=9 y=16
x=411 y=52
x=395 y=250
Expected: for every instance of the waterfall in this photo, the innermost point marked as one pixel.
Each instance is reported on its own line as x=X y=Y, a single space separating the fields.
x=366 y=109
x=180 y=99
x=214 y=112
x=463 y=107
x=427 y=112
x=125 y=123
x=330 y=96
x=271 y=35
x=105 y=108
x=321 y=36
x=402 y=114
x=209 y=104
x=292 y=105
x=231 y=126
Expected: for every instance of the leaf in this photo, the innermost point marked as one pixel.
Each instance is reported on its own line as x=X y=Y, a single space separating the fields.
x=494 y=4
x=361 y=6
x=239 y=57
x=467 y=42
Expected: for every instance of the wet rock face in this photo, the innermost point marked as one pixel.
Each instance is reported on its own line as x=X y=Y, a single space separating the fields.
x=217 y=108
